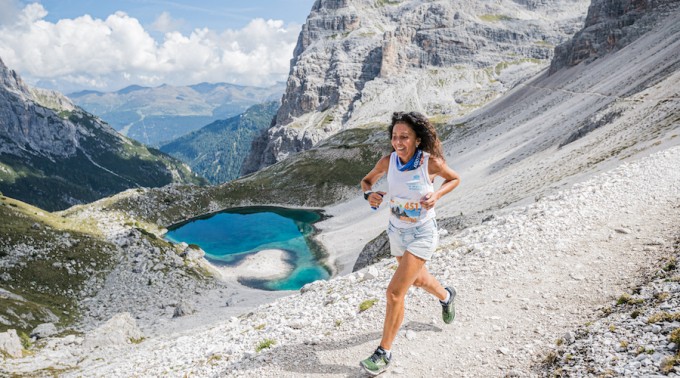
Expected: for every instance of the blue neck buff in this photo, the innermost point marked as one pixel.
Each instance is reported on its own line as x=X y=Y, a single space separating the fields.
x=416 y=161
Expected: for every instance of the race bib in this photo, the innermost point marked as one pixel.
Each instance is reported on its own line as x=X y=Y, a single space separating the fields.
x=406 y=210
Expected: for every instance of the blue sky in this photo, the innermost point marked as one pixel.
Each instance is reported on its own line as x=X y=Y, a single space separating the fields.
x=213 y=14
x=72 y=45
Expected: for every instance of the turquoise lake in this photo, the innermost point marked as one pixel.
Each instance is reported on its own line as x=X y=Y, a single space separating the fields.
x=229 y=236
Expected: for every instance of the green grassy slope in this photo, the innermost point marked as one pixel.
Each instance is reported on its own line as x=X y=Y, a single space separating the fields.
x=104 y=164
x=217 y=150
x=46 y=262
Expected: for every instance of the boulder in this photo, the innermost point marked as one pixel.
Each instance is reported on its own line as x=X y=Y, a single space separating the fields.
x=120 y=329
x=183 y=309
x=44 y=330
x=10 y=344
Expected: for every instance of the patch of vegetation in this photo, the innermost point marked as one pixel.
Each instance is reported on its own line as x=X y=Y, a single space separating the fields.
x=551 y=358
x=382 y=3
x=504 y=65
x=494 y=17
x=137 y=340
x=25 y=340
x=265 y=344
x=327 y=119
x=365 y=305
x=674 y=336
x=672 y=264
x=627 y=299
x=662 y=296
x=669 y=363
x=664 y=316
x=214 y=359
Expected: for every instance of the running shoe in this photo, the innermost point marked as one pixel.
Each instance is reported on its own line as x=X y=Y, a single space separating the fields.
x=448 y=310
x=377 y=363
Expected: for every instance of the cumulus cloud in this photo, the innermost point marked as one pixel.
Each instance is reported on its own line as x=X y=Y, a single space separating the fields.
x=165 y=23
x=108 y=54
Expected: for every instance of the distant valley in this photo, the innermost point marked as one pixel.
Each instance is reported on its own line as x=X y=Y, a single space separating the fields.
x=158 y=115
x=217 y=150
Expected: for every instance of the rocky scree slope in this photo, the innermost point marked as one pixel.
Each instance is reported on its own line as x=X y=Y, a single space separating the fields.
x=58 y=157
x=637 y=334
x=357 y=61
x=74 y=273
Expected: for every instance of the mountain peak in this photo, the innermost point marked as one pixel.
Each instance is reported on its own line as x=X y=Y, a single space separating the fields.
x=357 y=61
x=131 y=88
x=12 y=82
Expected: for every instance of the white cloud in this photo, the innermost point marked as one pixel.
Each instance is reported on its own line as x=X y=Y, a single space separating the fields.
x=108 y=54
x=165 y=23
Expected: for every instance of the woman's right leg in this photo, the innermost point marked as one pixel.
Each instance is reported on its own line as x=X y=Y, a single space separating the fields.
x=408 y=271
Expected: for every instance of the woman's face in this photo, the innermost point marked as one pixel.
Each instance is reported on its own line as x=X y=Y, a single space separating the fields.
x=404 y=141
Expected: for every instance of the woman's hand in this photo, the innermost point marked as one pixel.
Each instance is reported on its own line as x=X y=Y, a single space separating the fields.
x=428 y=200
x=375 y=199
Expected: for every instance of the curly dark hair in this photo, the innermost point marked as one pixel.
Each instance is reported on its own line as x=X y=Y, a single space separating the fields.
x=429 y=141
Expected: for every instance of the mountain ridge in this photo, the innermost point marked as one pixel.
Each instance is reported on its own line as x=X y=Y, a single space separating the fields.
x=55 y=155
x=157 y=115
x=216 y=151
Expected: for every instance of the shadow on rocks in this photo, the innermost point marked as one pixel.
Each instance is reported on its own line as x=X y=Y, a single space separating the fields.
x=302 y=359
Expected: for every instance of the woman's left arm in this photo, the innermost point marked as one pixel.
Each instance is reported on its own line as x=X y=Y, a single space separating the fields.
x=438 y=166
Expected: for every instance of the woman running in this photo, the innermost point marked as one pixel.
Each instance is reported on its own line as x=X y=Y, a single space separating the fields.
x=416 y=160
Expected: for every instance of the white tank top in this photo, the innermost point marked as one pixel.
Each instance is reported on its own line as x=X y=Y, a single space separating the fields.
x=406 y=189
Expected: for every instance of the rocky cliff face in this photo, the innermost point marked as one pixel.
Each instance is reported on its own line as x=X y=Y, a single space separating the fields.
x=356 y=61
x=25 y=126
x=54 y=155
x=609 y=26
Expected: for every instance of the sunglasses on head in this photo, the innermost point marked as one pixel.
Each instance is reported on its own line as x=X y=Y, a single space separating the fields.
x=408 y=116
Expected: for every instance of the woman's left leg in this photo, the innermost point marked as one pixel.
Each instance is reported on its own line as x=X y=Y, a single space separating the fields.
x=427 y=282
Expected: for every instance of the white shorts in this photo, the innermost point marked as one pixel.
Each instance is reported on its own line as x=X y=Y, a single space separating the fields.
x=421 y=241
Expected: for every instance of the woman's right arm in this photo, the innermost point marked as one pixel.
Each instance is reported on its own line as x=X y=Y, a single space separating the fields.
x=373 y=176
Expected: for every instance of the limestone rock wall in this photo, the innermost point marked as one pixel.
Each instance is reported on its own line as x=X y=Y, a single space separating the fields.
x=356 y=61
x=609 y=26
